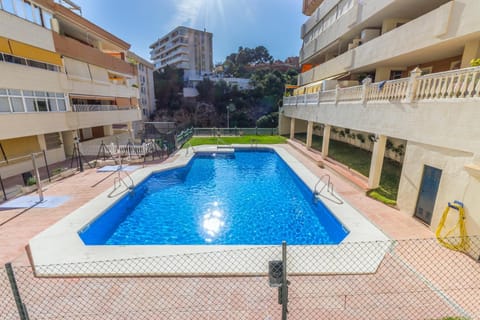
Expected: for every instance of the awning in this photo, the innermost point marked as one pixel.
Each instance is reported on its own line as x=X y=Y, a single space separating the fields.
x=335 y=77
x=4 y=46
x=123 y=102
x=30 y=52
x=87 y=97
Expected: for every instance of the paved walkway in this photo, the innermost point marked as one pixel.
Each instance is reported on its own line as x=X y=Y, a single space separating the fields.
x=17 y=226
x=417 y=279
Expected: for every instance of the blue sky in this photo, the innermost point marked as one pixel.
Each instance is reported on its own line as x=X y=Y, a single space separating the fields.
x=248 y=23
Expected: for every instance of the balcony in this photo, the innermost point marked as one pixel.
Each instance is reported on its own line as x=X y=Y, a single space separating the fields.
x=34 y=123
x=439 y=109
x=99 y=107
x=309 y=6
x=72 y=48
x=402 y=46
x=338 y=65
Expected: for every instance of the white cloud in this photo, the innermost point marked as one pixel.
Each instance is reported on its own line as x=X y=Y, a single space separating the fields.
x=187 y=12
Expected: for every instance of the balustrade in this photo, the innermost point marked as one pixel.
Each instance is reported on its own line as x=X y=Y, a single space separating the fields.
x=456 y=84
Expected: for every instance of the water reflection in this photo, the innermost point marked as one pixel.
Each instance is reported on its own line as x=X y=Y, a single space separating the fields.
x=213 y=222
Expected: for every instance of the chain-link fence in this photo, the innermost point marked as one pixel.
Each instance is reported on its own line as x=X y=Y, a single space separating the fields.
x=13 y=184
x=212 y=132
x=413 y=279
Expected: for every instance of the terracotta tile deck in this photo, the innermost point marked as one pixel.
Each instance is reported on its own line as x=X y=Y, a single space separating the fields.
x=418 y=279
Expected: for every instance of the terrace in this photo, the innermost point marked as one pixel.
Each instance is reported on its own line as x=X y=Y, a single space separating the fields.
x=417 y=279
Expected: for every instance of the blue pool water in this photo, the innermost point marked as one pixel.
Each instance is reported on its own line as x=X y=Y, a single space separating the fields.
x=247 y=198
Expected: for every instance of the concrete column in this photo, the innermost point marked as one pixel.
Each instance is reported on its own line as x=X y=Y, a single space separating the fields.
x=382 y=73
x=470 y=51
x=412 y=85
x=309 y=134
x=41 y=142
x=292 y=128
x=377 y=162
x=130 y=129
x=68 y=137
x=108 y=130
x=326 y=140
x=283 y=124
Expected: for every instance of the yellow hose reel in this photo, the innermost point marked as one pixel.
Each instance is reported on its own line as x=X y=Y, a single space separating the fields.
x=455 y=238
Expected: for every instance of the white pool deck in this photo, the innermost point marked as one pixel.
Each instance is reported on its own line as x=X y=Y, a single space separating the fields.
x=59 y=250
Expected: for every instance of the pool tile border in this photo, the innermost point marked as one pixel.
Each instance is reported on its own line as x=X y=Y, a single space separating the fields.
x=59 y=250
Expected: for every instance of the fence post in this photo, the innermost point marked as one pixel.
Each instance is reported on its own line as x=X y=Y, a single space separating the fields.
x=46 y=166
x=37 y=177
x=22 y=309
x=412 y=85
x=365 y=84
x=284 y=287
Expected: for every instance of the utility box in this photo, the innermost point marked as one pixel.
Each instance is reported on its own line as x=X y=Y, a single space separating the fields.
x=275 y=273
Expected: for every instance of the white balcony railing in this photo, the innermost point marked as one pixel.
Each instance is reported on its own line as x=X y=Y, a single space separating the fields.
x=98 y=107
x=350 y=93
x=457 y=84
x=464 y=83
x=390 y=90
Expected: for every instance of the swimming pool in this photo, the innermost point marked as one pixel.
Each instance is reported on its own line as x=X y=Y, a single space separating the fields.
x=60 y=251
x=249 y=197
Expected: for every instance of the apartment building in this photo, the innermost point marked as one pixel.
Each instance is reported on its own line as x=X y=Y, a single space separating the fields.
x=61 y=78
x=398 y=72
x=146 y=90
x=184 y=48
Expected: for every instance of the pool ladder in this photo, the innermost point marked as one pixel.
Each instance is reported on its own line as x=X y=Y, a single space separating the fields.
x=119 y=181
x=189 y=148
x=330 y=193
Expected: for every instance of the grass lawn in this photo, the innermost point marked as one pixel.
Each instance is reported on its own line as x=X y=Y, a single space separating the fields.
x=196 y=141
x=359 y=160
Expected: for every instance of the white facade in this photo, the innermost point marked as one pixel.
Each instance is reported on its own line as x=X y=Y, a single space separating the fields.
x=184 y=48
x=423 y=92
x=61 y=77
x=145 y=85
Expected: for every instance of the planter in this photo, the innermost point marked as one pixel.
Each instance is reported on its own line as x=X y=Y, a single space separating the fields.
x=67 y=173
x=29 y=189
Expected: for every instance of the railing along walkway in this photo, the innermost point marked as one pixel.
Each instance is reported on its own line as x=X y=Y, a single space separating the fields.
x=455 y=84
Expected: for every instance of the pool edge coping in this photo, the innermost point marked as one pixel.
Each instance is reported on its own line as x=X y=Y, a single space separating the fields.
x=60 y=244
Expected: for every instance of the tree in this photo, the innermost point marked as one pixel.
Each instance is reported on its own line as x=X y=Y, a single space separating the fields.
x=168 y=84
x=268 y=120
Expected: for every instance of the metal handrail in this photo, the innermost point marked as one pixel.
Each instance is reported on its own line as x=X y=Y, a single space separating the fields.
x=329 y=186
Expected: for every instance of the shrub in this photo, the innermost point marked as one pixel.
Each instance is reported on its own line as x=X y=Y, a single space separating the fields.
x=31 y=181
x=361 y=137
x=475 y=62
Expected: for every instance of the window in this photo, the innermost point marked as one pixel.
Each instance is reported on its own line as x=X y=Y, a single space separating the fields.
x=7 y=5
x=46 y=17
x=61 y=105
x=27 y=10
x=52 y=140
x=37 y=14
x=395 y=74
x=4 y=103
x=17 y=105
x=426 y=70
x=36 y=64
x=455 y=65
x=42 y=105
x=30 y=104
x=18 y=4
x=30 y=101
